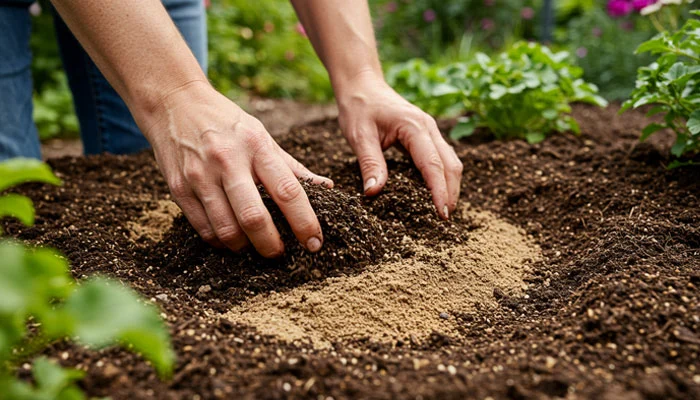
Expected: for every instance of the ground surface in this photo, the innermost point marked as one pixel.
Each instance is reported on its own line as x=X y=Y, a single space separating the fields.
x=610 y=309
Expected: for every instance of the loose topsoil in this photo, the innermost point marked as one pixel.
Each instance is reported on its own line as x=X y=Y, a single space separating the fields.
x=571 y=270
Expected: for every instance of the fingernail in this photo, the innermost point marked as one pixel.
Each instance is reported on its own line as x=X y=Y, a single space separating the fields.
x=446 y=211
x=370 y=184
x=313 y=244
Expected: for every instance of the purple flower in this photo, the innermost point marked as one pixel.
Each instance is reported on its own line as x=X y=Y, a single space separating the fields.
x=429 y=15
x=527 y=13
x=597 y=32
x=639 y=4
x=619 y=8
x=391 y=7
x=487 y=24
x=581 y=52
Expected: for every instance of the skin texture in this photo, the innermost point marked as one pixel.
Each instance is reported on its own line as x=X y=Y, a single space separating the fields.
x=213 y=154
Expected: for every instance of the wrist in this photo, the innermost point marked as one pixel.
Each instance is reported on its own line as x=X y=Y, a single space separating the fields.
x=156 y=108
x=347 y=86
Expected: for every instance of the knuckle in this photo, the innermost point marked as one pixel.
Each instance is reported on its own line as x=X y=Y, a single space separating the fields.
x=221 y=155
x=207 y=235
x=434 y=162
x=368 y=162
x=457 y=167
x=257 y=143
x=288 y=189
x=194 y=174
x=228 y=234
x=177 y=187
x=252 y=218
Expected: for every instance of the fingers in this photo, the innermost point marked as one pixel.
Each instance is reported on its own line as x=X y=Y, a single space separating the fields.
x=369 y=153
x=194 y=212
x=302 y=172
x=452 y=164
x=221 y=217
x=285 y=189
x=427 y=158
x=252 y=215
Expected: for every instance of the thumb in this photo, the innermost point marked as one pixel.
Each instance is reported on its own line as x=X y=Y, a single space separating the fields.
x=371 y=158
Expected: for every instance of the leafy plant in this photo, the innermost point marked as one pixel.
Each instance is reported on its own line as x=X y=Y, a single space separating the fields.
x=603 y=48
x=525 y=92
x=672 y=86
x=260 y=47
x=40 y=304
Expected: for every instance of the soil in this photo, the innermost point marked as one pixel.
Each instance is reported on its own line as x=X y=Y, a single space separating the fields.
x=599 y=242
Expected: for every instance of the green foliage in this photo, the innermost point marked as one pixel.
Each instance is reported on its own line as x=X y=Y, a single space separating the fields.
x=54 y=113
x=448 y=30
x=524 y=92
x=258 y=47
x=40 y=303
x=672 y=85
x=603 y=48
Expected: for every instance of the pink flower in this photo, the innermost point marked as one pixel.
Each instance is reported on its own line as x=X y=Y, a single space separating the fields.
x=527 y=13
x=289 y=55
x=581 y=52
x=429 y=15
x=207 y=3
x=597 y=32
x=639 y=4
x=391 y=7
x=619 y=8
x=487 y=24
x=300 y=29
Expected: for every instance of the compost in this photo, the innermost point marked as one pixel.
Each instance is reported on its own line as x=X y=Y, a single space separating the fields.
x=571 y=270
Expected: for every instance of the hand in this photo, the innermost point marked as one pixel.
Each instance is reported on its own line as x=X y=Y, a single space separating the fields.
x=213 y=155
x=374 y=117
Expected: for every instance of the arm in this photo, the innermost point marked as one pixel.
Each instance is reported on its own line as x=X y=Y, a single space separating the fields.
x=372 y=116
x=211 y=152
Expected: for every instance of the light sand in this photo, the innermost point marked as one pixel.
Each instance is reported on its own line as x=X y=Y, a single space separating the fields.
x=397 y=300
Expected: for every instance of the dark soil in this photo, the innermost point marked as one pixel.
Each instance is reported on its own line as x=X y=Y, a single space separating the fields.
x=612 y=312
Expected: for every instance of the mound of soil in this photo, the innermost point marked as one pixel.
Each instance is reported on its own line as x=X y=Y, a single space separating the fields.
x=611 y=309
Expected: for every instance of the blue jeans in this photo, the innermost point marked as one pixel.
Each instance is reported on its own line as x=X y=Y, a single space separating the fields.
x=106 y=125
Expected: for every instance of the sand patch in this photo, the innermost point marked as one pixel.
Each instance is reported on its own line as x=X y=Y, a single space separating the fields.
x=400 y=299
x=154 y=223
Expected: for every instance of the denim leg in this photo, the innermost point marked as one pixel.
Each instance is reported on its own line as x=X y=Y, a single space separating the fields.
x=106 y=124
x=18 y=134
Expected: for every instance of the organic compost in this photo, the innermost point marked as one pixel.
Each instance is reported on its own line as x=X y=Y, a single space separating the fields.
x=571 y=269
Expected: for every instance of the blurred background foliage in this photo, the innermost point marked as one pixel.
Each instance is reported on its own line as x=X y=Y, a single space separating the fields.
x=259 y=48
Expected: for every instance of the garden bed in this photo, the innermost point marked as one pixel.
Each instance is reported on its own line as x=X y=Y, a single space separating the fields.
x=571 y=269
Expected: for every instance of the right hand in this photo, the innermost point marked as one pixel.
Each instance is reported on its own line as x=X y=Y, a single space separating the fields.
x=213 y=154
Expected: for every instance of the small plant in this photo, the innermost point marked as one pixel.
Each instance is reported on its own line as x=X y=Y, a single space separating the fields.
x=41 y=304
x=524 y=92
x=672 y=85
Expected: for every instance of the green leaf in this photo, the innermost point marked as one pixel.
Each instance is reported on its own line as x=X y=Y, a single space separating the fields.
x=54 y=382
x=650 y=129
x=535 y=137
x=17 y=206
x=678 y=148
x=694 y=122
x=497 y=91
x=655 y=110
x=655 y=45
x=464 y=128
x=19 y=170
x=105 y=313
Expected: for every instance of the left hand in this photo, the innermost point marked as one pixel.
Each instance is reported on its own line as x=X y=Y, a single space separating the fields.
x=374 y=117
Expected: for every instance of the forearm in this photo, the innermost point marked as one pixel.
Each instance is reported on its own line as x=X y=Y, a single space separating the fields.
x=136 y=46
x=342 y=34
